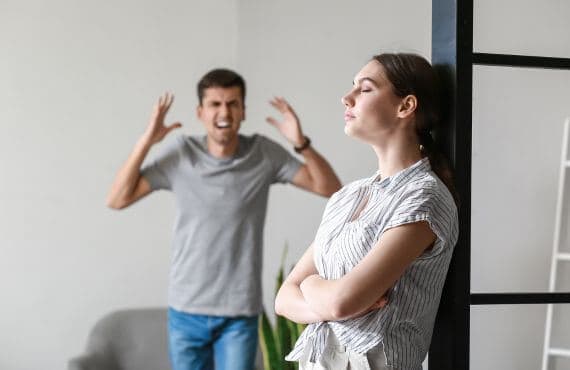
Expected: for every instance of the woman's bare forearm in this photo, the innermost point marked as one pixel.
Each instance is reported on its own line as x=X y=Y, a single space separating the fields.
x=291 y=304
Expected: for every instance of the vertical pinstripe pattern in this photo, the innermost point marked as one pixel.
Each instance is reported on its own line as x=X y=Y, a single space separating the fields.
x=344 y=237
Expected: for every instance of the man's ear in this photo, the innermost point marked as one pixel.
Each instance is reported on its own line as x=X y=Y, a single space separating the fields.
x=407 y=106
x=199 y=111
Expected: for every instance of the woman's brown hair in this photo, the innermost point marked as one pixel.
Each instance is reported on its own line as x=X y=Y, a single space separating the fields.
x=411 y=74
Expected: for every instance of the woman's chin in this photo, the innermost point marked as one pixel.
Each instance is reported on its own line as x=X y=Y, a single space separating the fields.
x=348 y=129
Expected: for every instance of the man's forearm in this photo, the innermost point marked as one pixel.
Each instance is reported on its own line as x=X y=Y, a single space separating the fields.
x=128 y=175
x=324 y=178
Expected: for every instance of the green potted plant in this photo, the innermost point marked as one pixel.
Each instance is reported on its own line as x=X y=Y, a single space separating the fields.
x=276 y=342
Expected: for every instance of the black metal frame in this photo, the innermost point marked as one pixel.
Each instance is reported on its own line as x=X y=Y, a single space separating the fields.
x=520 y=61
x=518 y=298
x=453 y=56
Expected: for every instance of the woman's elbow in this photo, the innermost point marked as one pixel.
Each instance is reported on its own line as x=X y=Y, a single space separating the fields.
x=279 y=305
x=278 y=308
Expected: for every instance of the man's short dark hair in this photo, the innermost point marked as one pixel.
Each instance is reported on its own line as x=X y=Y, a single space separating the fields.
x=220 y=77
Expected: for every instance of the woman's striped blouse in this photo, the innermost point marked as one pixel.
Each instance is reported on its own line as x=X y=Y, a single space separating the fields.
x=354 y=219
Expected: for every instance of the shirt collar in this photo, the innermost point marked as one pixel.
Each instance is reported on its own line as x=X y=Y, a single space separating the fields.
x=400 y=177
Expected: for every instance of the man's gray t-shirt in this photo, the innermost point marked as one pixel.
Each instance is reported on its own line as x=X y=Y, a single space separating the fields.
x=218 y=233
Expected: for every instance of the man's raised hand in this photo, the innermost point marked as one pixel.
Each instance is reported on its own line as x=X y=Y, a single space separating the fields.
x=156 y=129
x=289 y=126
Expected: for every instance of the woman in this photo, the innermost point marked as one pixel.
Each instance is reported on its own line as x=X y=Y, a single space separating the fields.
x=371 y=281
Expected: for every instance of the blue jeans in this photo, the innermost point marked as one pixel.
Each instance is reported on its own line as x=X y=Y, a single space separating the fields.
x=202 y=342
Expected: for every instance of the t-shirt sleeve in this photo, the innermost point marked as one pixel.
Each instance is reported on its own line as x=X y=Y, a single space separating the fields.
x=159 y=171
x=283 y=163
x=432 y=205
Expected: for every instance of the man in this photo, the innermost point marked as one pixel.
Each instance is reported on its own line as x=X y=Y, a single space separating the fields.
x=221 y=183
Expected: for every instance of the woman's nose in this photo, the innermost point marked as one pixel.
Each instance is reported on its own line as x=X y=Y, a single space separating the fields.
x=346 y=100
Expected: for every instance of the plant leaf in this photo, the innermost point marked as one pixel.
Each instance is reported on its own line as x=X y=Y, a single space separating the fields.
x=277 y=343
x=283 y=339
x=269 y=349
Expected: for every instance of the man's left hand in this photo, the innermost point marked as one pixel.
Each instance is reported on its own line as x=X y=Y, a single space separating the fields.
x=289 y=126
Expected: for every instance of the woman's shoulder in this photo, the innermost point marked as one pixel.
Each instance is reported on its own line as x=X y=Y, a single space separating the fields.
x=341 y=196
x=427 y=183
x=427 y=191
x=355 y=184
x=426 y=198
x=350 y=187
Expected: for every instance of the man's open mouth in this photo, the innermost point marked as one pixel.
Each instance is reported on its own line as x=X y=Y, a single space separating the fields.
x=222 y=124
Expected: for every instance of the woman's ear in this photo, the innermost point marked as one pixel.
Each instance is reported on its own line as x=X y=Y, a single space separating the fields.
x=407 y=106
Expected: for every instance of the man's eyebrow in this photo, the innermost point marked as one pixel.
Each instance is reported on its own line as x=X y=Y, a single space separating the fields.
x=362 y=79
x=219 y=101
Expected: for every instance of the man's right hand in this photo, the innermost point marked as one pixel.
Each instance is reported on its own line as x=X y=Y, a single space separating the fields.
x=156 y=129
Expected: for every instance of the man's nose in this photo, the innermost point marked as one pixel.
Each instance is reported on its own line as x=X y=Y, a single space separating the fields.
x=225 y=111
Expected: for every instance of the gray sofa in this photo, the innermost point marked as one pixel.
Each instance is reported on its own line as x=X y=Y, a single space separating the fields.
x=132 y=339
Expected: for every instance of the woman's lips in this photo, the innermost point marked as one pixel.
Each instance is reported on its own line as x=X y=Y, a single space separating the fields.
x=348 y=116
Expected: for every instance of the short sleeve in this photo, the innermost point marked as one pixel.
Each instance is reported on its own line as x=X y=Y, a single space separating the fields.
x=433 y=205
x=283 y=163
x=159 y=172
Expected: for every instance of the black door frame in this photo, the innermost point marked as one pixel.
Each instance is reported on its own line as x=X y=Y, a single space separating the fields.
x=453 y=56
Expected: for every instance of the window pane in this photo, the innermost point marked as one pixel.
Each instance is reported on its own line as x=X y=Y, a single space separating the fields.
x=535 y=27
x=511 y=337
x=518 y=117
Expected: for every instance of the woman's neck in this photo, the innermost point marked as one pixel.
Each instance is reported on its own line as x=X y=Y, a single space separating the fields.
x=397 y=156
